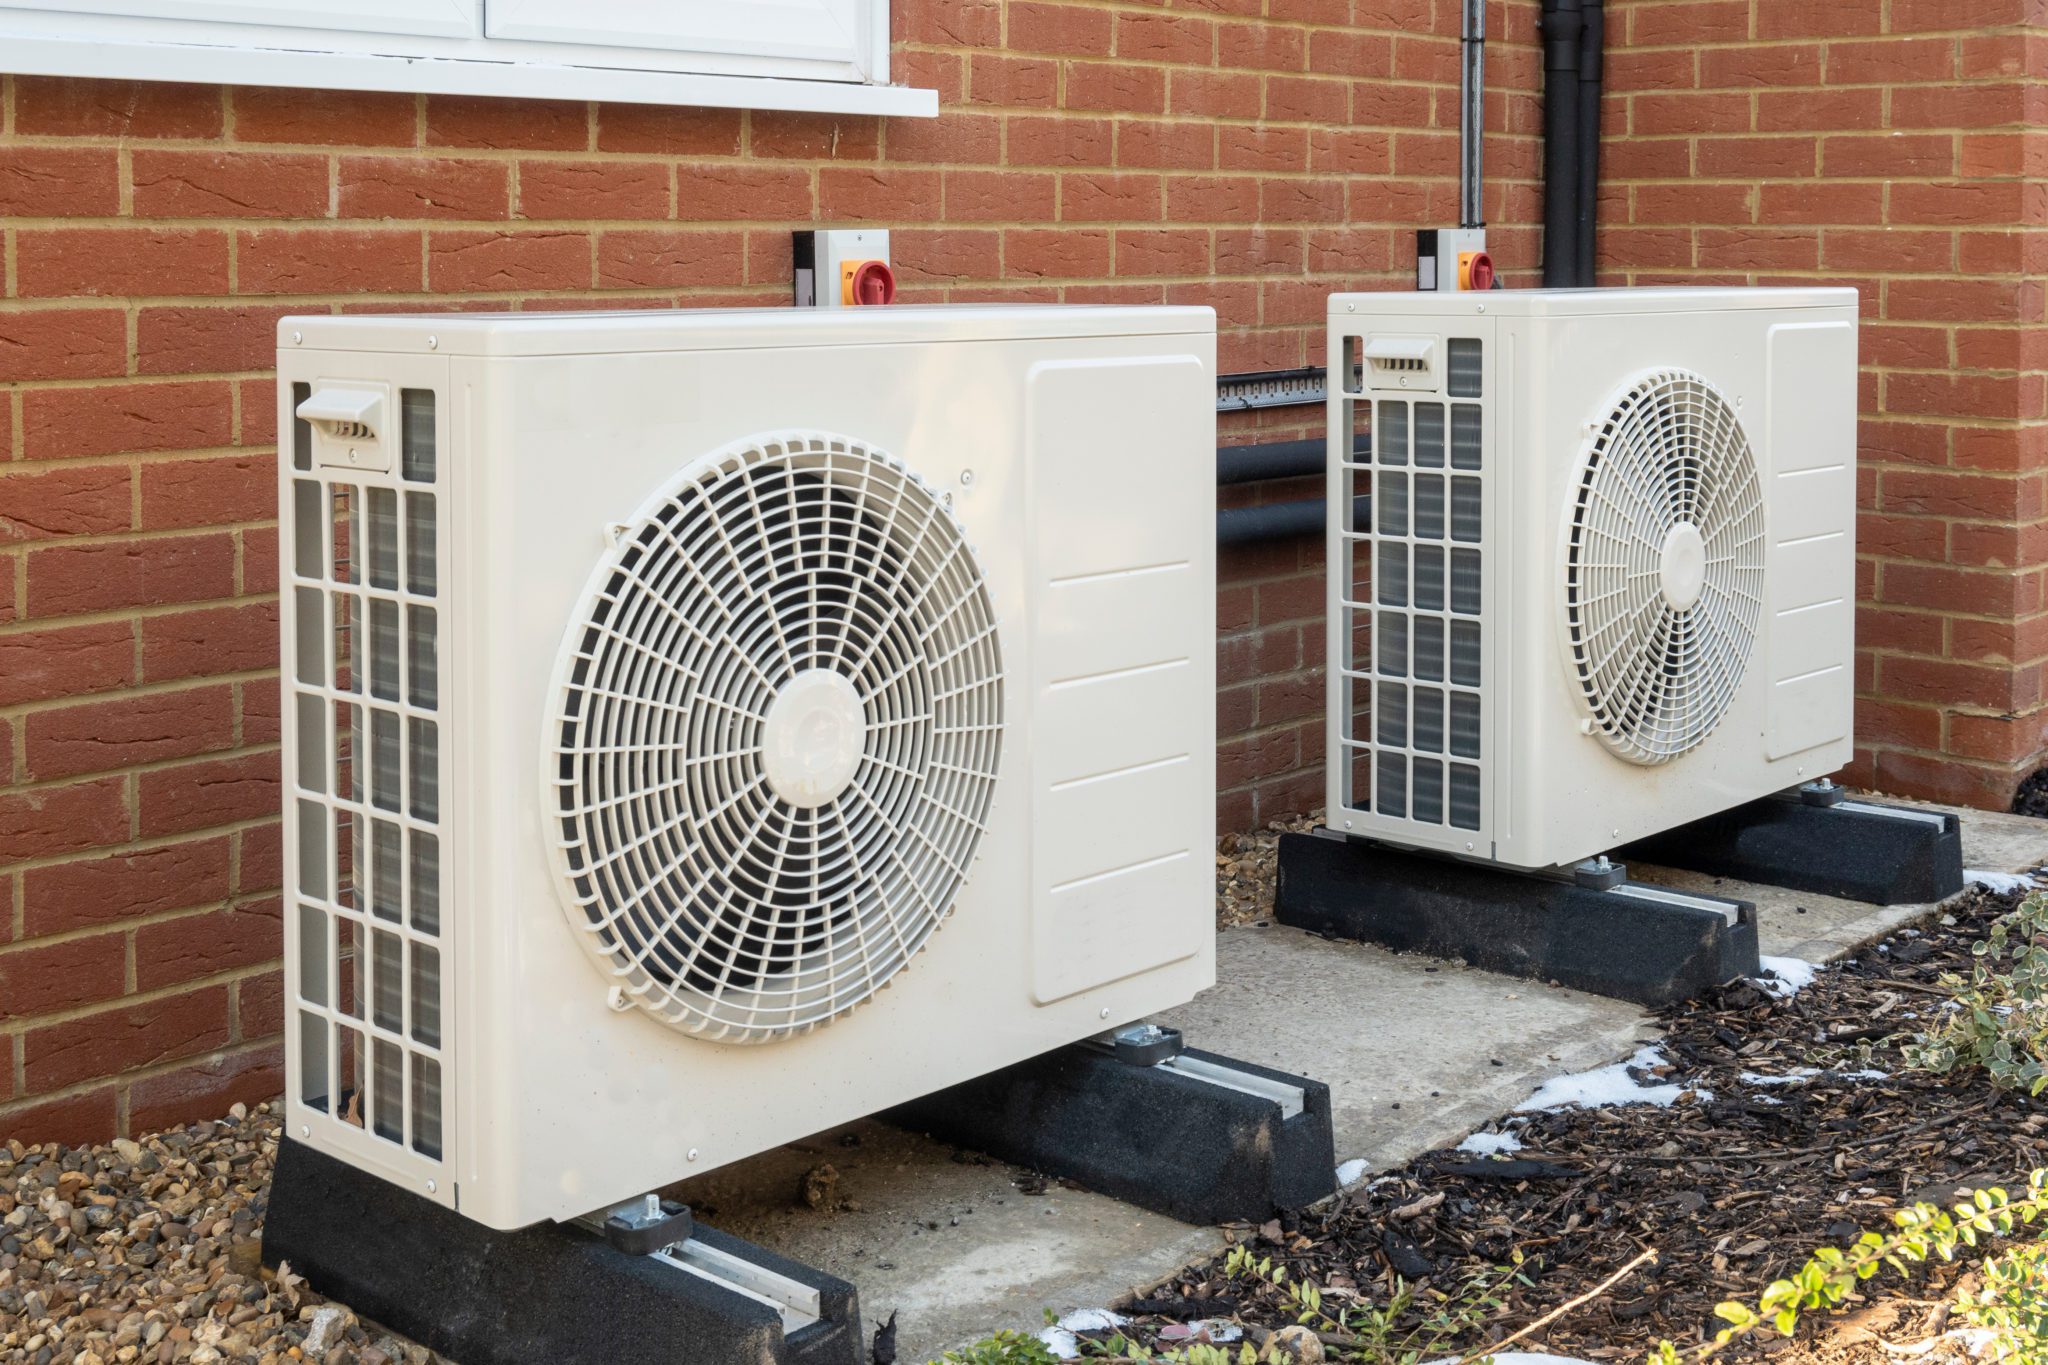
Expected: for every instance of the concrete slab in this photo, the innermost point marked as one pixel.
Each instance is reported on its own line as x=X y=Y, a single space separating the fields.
x=1416 y=1052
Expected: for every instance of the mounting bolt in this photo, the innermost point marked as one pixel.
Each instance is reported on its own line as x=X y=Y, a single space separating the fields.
x=298 y=338
x=1347 y=824
x=1103 y=1014
x=305 y=1130
x=616 y=998
x=433 y=343
x=1350 y=307
x=967 y=478
x=1482 y=307
x=692 y=1155
x=432 y=1188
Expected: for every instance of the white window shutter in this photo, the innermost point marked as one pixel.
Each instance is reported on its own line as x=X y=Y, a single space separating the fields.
x=839 y=32
x=452 y=18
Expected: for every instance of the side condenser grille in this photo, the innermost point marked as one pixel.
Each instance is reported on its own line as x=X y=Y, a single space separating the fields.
x=1408 y=555
x=366 y=975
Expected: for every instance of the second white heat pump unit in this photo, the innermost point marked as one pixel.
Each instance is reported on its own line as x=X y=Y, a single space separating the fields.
x=1592 y=561
x=702 y=729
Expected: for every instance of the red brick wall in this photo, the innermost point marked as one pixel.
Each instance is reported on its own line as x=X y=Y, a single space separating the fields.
x=1900 y=146
x=1250 y=154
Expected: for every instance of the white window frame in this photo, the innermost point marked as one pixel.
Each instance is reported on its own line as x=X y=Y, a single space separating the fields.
x=65 y=38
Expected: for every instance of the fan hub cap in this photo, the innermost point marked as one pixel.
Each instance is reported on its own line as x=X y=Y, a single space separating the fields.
x=812 y=738
x=1682 y=566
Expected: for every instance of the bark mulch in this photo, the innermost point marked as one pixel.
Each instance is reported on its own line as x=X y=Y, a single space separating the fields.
x=1733 y=1185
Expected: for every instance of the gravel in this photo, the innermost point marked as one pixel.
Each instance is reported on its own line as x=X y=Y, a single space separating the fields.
x=1245 y=865
x=150 y=1251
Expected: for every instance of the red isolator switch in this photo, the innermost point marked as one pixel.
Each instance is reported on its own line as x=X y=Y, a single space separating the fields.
x=865 y=282
x=1475 y=270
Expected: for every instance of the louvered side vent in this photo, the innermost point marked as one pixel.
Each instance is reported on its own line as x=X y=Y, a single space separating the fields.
x=1413 y=685
x=365 y=774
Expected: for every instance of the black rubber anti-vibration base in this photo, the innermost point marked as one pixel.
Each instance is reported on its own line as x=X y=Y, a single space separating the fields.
x=1851 y=849
x=1150 y=1136
x=546 y=1293
x=1627 y=943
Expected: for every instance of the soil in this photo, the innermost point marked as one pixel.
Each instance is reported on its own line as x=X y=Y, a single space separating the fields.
x=1733 y=1185
x=2032 y=796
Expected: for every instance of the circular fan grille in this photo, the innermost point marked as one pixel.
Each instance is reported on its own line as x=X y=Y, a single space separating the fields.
x=776 y=735
x=1663 y=580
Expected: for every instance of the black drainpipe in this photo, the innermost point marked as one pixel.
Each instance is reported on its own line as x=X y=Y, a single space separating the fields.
x=1563 y=34
x=1592 y=45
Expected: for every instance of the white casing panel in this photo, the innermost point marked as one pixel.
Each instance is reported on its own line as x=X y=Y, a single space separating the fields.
x=1553 y=361
x=1077 y=444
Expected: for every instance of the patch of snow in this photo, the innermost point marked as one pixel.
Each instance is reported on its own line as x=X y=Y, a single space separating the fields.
x=1350 y=1172
x=2000 y=883
x=1608 y=1085
x=1060 y=1339
x=1785 y=977
x=1491 y=1144
x=1798 y=1075
x=1519 y=1358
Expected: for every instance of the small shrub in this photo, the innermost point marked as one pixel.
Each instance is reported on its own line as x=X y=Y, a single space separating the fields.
x=2000 y=1021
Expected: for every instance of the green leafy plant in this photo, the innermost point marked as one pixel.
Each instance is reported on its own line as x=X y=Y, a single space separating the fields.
x=2012 y=1305
x=1004 y=1348
x=2000 y=1022
x=1409 y=1327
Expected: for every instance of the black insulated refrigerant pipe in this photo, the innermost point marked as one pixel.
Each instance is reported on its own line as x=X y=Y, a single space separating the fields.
x=1563 y=34
x=1592 y=49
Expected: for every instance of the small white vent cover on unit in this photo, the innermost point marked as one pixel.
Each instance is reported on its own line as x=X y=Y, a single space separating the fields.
x=1664 y=566
x=775 y=737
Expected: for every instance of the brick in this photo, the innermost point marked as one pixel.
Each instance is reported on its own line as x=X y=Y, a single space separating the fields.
x=59 y=182
x=1063 y=30
x=1694 y=202
x=1747 y=157
x=183 y=494
x=1166 y=145
x=1887 y=249
x=1686 y=23
x=1777 y=66
x=665 y=258
x=1758 y=248
x=175 y=951
x=487 y=121
x=205 y=1090
x=210 y=640
x=328 y=118
x=37 y=978
x=1116 y=89
x=1967 y=203
x=1688 y=114
x=877 y=194
x=1162 y=251
x=1267 y=47
x=198 y=795
x=1997 y=739
x=56 y=262
x=92 y=737
x=792 y=134
x=1889 y=155
x=1109 y=198
x=1301 y=201
x=957 y=139
x=1889 y=60
x=1023 y=82
x=111 y=575
x=998 y=196
x=44 y=504
x=593 y=189
x=259 y=864
x=663 y=130
x=77 y=1120
x=1258 y=251
x=125 y=1039
x=1341 y=52
x=63 y=343
x=487 y=261
x=45 y=822
x=75 y=423
x=1802 y=111
x=228 y=184
x=207 y=339
x=1307 y=99
x=1964 y=396
x=1956 y=300
x=1057 y=253
x=1820 y=202
x=1045 y=140
x=259 y=1005
x=754 y=193
x=1815 y=19
x=327 y=261
x=1943 y=683
x=422 y=187
x=1183 y=39
x=1215 y=94
x=55 y=106
x=1951 y=15
x=57 y=661
x=107 y=888
x=951 y=23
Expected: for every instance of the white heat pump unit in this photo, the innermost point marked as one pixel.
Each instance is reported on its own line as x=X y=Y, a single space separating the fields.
x=705 y=728
x=1592 y=561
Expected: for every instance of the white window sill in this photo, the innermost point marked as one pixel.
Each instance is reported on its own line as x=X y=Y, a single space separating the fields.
x=208 y=65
